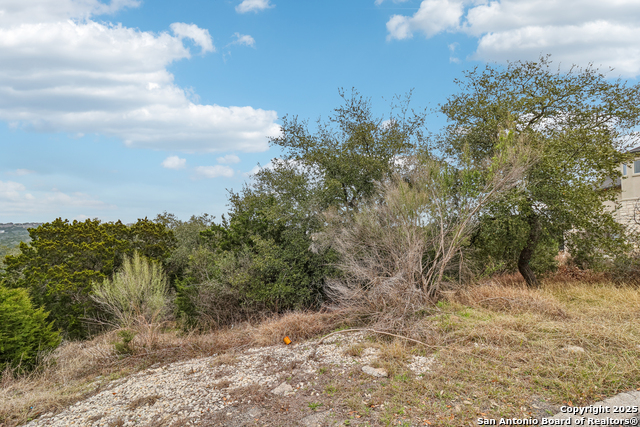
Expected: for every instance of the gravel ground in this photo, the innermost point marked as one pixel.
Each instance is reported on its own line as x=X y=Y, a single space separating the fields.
x=199 y=391
x=274 y=386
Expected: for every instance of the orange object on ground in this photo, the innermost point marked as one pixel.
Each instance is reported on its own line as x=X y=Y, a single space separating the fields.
x=287 y=341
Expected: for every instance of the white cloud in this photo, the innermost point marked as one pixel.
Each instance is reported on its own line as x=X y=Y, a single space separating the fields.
x=214 y=171
x=452 y=48
x=174 y=162
x=228 y=159
x=63 y=72
x=199 y=36
x=573 y=31
x=432 y=17
x=253 y=6
x=603 y=43
x=399 y=27
x=254 y=170
x=10 y=190
x=244 y=39
x=16 y=200
x=39 y=11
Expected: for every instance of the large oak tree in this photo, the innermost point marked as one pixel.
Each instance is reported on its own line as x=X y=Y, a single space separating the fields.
x=578 y=122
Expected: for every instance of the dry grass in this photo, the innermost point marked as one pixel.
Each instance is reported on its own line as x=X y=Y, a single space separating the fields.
x=251 y=393
x=502 y=351
x=515 y=299
x=143 y=401
x=355 y=350
x=228 y=359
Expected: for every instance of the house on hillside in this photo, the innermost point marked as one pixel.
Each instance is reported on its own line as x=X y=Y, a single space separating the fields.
x=629 y=199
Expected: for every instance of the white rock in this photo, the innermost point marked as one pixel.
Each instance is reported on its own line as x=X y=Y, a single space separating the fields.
x=574 y=349
x=421 y=364
x=378 y=373
x=283 y=389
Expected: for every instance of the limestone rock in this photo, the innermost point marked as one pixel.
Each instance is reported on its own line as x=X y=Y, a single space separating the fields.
x=378 y=373
x=283 y=389
x=314 y=420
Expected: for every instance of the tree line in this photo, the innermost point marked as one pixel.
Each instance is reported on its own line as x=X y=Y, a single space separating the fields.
x=361 y=208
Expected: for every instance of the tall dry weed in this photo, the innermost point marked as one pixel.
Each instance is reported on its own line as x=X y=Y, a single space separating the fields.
x=398 y=253
x=137 y=294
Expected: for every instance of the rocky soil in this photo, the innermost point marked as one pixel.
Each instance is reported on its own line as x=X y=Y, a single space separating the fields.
x=281 y=385
x=285 y=385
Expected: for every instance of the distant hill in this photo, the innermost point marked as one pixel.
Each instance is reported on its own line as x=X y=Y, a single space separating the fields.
x=12 y=234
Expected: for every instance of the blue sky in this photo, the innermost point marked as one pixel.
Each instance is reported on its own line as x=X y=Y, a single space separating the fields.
x=126 y=109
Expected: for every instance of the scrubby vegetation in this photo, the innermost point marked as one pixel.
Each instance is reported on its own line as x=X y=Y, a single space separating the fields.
x=368 y=220
x=137 y=294
x=63 y=260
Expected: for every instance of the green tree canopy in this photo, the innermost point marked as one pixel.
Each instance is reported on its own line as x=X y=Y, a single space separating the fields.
x=354 y=149
x=188 y=240
x=62 y=260
x=264 y=251
x=265 y=243
x=24 y=331
x=578 y=123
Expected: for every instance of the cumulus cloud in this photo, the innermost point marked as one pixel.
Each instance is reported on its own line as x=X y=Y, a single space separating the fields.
x=15 y=199
x=254 y=170
x=253 y=6
x=214 y=171
x=244 y=39
x=174 y=162
x=573 y=31
x=257 y=168
x=64 y=72
x=228 y=159
x=199 y=36
x=39 y=11
x=432 y=17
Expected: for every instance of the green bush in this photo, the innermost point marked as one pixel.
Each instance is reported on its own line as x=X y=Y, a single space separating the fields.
x=24 y=331
x=125 y=347
x=189 y=243
x=258 y=261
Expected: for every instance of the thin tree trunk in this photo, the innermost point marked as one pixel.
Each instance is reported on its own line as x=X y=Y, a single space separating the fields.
x=527 y=252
